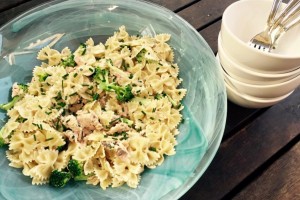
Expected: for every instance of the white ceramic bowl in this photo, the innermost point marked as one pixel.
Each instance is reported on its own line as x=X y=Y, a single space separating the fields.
x=263 y=91
x=243 y=73
x=244 y=19
x=250 y=101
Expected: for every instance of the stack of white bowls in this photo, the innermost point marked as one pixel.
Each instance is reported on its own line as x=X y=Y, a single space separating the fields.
x=256 y=78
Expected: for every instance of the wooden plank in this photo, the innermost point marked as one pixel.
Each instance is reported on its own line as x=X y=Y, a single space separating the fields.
x=238 y=117
x=173 y=5
x=4 y=5
x=210 y=34
x=280 y=181
x=27 y=4
x=244 y=152
x=17 y=10
x=204 y=12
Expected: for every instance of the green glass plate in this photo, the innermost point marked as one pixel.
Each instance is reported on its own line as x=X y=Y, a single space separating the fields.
x=68 y=23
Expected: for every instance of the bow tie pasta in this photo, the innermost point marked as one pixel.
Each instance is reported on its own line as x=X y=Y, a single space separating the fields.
x=101 y=114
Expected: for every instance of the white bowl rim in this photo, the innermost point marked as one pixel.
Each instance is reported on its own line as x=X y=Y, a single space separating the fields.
x=246 y=69
x=257 y=99
x=245 y=44
x=260 y=86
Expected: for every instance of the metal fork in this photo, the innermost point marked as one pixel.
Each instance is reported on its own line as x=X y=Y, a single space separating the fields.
x=263 y=40
x=286 y=25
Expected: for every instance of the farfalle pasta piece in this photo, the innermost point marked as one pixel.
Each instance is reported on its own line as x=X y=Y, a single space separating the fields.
x=138 y=147
x=87 y=59
x=124 y=168
x=21 y=142
x=163 y=37
x=27 y=167
x=106 y=117
x=133 y=180
x=88 y=166
x=156 y=83
x=8 y=128
x=104 y=173
x=113 y=105
x=45 y=160
x=127 y=172
x=84 y=153
x=13 y=114
x=65 y=53
x=38 y=181
x=52 y=55
x=90 y=42
x=104 y=177
x=174 y=119
x=13 y=157
x=167 y=148
x=61 y=161
x=98 y=50
x=122 y=34
x=26 y=157
x=93 y=180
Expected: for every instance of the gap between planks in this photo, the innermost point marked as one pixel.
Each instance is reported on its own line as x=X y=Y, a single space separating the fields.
x=261 y=169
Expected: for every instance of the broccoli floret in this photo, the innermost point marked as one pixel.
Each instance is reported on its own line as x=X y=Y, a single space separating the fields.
x=2 y=142
x=9 y=105
x=141 y=55
x=43 y=77
x=59 y=178
x=101 y=77
x=76 y=169
x=22 y=86
x=124 y=94
x=68 y=62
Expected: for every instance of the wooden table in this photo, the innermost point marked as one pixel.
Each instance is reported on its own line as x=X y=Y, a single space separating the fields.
x=259 y=157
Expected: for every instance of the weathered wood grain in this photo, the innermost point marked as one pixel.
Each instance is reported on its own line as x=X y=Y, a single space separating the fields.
x=6 y=4
x=173 y=5
x=280 y=181
x=11 y=13
x=204 y=12
x=210 y=34
x=13 y=8
x=248 y=149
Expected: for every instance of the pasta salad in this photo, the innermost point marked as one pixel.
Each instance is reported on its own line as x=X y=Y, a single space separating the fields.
x=101 y=114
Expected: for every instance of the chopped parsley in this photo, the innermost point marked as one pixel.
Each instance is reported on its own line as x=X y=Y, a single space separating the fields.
x=152 y=149
x=83 y=46
x=48 y=139
x=21 y=119
x=40 y=126
x=95 y=96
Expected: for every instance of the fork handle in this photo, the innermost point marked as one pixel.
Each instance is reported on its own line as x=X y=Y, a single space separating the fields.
x=291 y=15
x=289 y=25
x=287 y=11
x=292 y=24
x=275 y=6
x=285 y=27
